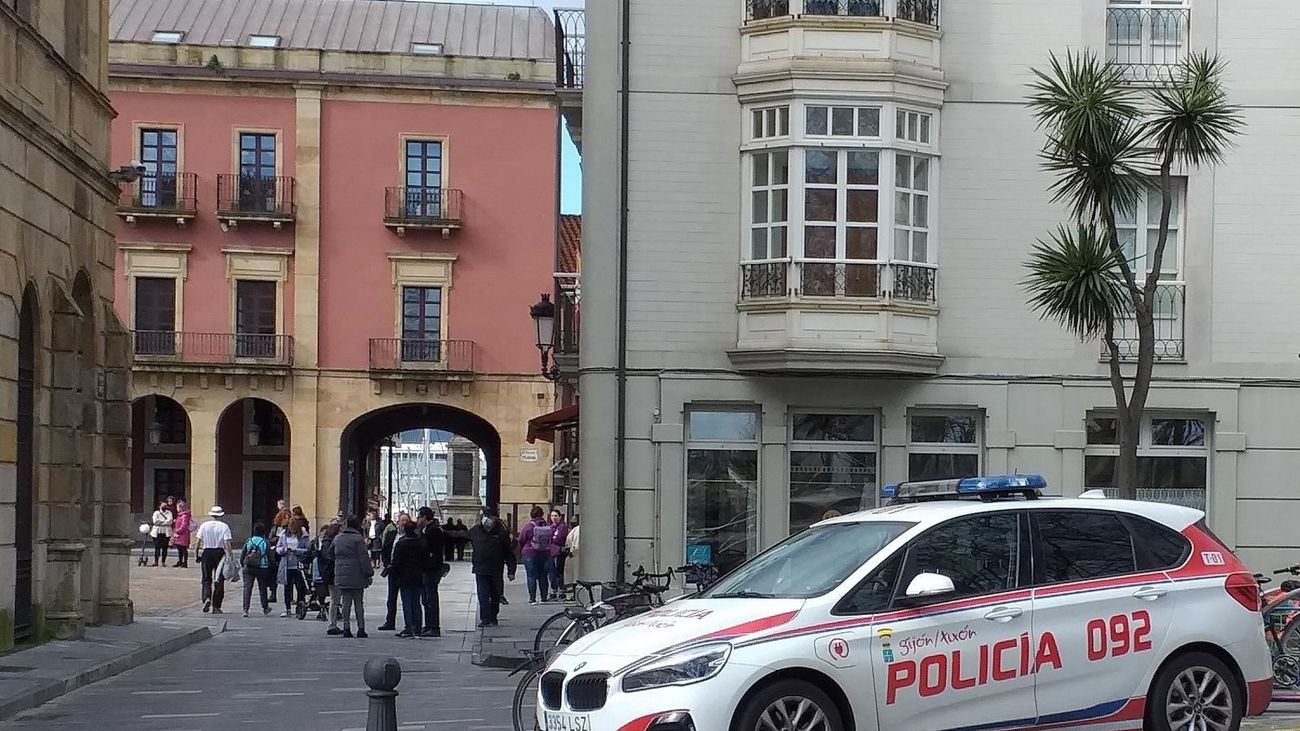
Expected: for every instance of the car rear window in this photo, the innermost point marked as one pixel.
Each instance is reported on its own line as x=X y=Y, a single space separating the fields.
x=1077 y=545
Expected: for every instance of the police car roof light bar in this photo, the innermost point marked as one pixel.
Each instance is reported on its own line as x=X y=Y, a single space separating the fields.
x=1029 y=487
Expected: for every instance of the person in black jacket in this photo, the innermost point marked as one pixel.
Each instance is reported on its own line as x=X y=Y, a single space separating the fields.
x=406 y=570
x=325 y=567
x=431 y=532
x=493 y=552
x=392 y=532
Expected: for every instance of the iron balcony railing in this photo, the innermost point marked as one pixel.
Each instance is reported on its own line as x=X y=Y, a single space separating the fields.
x=213 y=348
x=1168 y=304
x=402 y=354
x=570 y=47
x=566 y=324
x=414 y=207
x=169 y=194
x=256 y=196
x=839 y=279
x=1147 y=41
x=925 y=12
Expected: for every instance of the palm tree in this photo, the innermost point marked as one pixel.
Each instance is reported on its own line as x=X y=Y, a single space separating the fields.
x=1106 y=142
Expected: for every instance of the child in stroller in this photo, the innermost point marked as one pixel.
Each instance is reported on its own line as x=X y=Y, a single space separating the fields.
x=321 y=576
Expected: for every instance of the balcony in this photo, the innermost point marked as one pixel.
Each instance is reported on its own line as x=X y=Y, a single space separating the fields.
x=570 y=66
x=1169 y=304
x=399 y=357
x=567 y=330
x=837 y=37
x=173 y=196
x=924 y=12
x=1147 y=42
x=422 y=209
x=838 y=316
x=268 y=199
x=155 y=347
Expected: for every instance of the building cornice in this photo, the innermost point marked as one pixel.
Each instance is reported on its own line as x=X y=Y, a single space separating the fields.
x=77 y=161
x=29 y=30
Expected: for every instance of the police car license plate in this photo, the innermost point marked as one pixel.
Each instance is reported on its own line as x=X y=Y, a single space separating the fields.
x=567 y=721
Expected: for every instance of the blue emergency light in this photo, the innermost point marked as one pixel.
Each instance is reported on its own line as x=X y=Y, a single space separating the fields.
x=985 y=488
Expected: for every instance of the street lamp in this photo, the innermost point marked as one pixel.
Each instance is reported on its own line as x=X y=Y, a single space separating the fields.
x=543 y=314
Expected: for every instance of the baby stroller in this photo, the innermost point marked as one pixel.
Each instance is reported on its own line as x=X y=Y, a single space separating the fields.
x=319 y=600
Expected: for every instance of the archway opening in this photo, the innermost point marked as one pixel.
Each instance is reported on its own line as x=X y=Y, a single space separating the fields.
x=160 y=455
x=253 y=444
x=469 y=444
x=25 y=503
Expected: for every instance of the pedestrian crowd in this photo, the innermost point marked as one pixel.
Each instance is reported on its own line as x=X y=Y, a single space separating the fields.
x=329 y=573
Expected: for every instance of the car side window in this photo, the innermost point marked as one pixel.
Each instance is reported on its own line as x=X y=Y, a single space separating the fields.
x=1158 y=547
x=875 y=591
x=980 y=553
x=1077 y=545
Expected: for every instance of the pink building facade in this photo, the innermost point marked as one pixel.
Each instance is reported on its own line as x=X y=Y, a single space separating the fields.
x=340 y=224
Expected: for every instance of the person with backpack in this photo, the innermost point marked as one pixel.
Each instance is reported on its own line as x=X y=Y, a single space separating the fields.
x=255 y=558
x=535 y=542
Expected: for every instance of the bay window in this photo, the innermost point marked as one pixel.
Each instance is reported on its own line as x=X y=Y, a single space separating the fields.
x=816 y=201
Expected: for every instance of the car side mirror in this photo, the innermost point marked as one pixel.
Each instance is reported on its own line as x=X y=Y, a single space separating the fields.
x=926 y=586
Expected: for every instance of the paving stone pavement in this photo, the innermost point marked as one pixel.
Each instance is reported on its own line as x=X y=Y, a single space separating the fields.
x=268 y=671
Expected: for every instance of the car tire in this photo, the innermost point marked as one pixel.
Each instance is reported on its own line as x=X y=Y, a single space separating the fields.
x=778 y=700
x=1175 y=695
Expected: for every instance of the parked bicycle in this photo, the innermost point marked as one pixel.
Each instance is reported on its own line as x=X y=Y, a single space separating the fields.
x=624 y=600
x=524 y=707
x=1281 y=613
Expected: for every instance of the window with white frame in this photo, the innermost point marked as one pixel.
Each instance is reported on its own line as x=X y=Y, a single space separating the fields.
x=167 y=36
x=769 y=205
x=1139 y=230
x=834 y=121
x=839 y=175
x=1173 y=457
x=1147 y=36
x=841 y=212
x=770 y=122
x=913 y=126
x=263 y=41
x=721 y=487
x=943 y=445
x=833 y=466
x=912 y=208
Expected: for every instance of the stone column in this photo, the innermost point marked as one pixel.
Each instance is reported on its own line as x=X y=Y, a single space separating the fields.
x=59 y=502
x=319 y=498
x=117 y=534
x=203 y=458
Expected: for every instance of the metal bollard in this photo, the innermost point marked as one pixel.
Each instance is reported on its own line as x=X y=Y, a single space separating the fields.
x=382 y=675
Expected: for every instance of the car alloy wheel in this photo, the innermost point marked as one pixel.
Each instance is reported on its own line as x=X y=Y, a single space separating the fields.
x=792 y=713
x=1199 y=699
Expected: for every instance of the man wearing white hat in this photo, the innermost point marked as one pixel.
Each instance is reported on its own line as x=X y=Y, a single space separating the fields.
x=213 y=545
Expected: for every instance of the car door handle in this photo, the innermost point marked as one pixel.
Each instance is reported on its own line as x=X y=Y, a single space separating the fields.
x=1004 y=614
x=1150 y=593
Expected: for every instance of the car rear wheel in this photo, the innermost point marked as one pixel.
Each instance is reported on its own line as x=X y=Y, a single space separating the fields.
x=790 y=705
x=1195 y=691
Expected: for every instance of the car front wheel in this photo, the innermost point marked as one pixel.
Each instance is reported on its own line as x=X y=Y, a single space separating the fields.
x=1195 y=691
x=790 y=705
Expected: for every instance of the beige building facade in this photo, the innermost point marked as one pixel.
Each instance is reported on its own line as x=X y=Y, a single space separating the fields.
x=65 y=527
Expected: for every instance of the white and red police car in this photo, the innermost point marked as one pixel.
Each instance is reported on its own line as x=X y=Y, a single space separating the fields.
x=997 y=611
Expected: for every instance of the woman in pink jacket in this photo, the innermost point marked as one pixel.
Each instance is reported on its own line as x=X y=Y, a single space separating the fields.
x=181 y=530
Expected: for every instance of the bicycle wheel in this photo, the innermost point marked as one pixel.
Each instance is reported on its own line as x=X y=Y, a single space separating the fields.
x=524 y=707
x=1286 y=666
x=549 y=634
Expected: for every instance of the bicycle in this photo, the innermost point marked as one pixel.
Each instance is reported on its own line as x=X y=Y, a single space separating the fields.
x=626 y=601
x=1281 y=615
x=523 y=709
x=702 y=575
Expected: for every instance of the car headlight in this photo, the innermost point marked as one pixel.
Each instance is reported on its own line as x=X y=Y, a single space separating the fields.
x=680 y=668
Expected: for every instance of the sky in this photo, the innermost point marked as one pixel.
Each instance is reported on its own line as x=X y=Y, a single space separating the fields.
x=570 y=170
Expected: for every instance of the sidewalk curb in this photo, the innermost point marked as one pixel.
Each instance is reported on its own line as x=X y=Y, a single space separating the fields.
x=58 y=687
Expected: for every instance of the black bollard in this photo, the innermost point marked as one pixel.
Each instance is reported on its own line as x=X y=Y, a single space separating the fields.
x=382 y=675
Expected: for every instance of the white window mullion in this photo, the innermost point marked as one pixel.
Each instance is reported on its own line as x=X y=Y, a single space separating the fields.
x=887 y=246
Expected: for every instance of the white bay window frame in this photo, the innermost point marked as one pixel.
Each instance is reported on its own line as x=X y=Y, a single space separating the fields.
x=889 y=146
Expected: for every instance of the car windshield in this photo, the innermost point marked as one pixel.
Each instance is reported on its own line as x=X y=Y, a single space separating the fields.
x=810 y=563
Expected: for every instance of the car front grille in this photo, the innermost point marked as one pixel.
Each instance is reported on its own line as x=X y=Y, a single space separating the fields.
x=551 y=684
x=587 y=692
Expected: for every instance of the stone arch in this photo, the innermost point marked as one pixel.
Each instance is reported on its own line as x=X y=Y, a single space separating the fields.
x=161 y=439
x=25 y=480
x=364 y=434
x=253 y=440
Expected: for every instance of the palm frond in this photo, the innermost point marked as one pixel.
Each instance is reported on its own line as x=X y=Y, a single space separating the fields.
x=1082 y=99
x=1074 y=279
x=1193 y=122
x=1093 y=179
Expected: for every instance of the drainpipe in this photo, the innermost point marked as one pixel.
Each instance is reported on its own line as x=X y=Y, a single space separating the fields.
x=620 y=438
